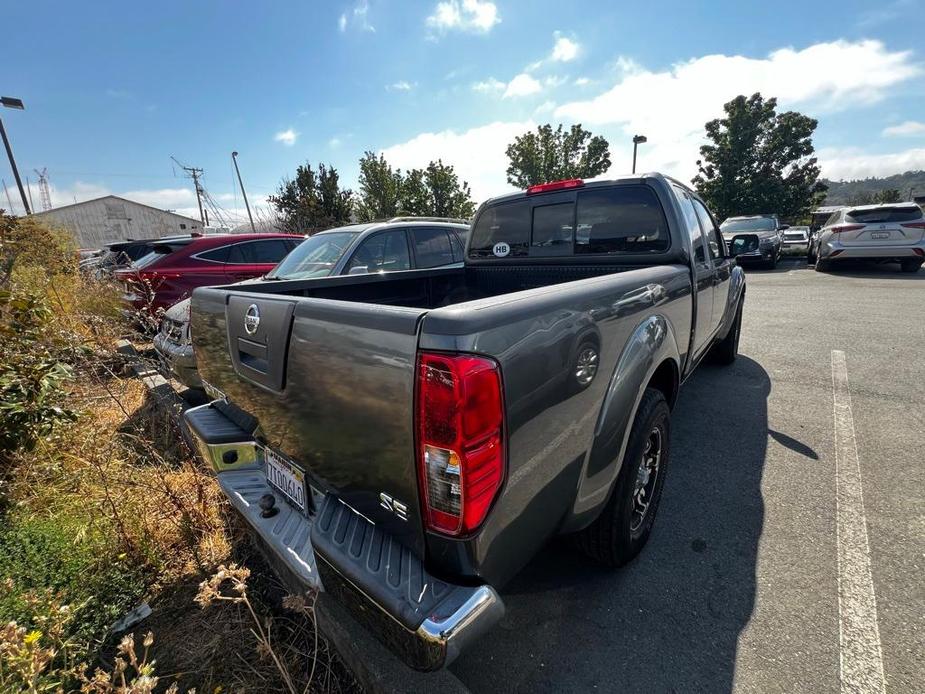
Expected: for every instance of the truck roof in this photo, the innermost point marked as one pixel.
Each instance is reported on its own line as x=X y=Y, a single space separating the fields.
x=598 y=183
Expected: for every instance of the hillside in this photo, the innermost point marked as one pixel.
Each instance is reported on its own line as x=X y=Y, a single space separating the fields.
x=853 y=192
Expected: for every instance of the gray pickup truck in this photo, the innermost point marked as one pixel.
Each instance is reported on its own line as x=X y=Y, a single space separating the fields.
x=407 y=442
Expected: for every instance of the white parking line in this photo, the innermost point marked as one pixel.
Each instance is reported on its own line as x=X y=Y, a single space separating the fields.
x=859 y=635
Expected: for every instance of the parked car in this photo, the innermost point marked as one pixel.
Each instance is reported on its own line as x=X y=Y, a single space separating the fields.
x=174 y=267
x=402 y=243
x=883 y=233
x=408 y=441
x=755 y=239
x=120 y=254
x=796 y=236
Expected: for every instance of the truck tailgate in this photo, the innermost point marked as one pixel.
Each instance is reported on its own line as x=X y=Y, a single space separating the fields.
x=339 y=403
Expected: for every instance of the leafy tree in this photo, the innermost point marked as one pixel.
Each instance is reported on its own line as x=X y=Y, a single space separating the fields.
x=888 y=195
x=380 y=189
x=448 y=197
x=312 y=202
x=432 y=192
x=759 y=161
x=554 y=155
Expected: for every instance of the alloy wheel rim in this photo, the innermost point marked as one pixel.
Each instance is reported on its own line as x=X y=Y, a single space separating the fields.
x=646 y=478
x=586 y=366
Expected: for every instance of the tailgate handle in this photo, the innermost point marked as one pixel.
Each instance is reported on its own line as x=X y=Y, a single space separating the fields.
x=253 y=355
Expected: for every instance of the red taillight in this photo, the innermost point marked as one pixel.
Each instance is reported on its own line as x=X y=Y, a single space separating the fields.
x=555 y=185
x=846 y=227
x=460 y=446
x=913 y=225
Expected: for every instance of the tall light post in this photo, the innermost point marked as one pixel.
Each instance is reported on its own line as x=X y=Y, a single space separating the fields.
x=637 y=140
x=11 y=102
x=234 y=158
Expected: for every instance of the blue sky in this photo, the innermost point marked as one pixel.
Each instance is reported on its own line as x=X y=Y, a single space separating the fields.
x=112 y=90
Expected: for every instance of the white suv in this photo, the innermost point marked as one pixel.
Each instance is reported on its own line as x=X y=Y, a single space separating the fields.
x=893 y=232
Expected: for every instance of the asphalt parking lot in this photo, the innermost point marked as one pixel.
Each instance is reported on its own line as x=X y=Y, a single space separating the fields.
x=755 y=579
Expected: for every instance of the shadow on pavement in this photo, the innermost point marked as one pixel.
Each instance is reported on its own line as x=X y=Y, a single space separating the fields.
x=670 y=621
x=869 y=270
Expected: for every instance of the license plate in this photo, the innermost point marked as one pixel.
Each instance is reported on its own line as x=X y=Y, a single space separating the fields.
x=286 y=478
x=880 y=235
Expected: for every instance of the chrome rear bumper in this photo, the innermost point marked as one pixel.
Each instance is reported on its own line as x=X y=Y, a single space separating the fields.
x=425 y=621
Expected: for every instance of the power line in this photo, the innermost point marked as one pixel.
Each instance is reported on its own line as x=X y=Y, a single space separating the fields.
x=195 y=173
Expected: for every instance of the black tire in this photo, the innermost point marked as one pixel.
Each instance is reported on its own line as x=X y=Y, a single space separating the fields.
x=620 y=533
x=726 y=350
x=910 y=265
x=771 y=263
x=821 y=266
x=810 y=257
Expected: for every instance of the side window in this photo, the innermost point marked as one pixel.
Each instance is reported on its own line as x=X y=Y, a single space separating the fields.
x=715 y=245
x=240 y=254
x=692 y=224
x=431 y=247
x=269 y=251
x=458 y=240
x=216 y=255
x=384 y=252
x=553 y=229
x=622 y=219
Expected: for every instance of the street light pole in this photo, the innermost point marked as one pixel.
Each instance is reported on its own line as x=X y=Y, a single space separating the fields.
x=637 y=140
x=11 y=102
x=234 y=158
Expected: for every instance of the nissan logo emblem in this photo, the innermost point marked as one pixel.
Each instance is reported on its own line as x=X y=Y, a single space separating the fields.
x=251 y=319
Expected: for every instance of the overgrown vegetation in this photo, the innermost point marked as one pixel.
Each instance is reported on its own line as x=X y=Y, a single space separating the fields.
x=102 y=507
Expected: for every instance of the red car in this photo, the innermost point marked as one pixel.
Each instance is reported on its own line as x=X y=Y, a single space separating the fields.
x=175 y=267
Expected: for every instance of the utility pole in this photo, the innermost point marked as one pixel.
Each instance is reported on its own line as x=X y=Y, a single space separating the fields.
x=195 y=173
x=637 y=140
x=8 y=200
x=11 y=102
x=29 y=189
x=234 y=158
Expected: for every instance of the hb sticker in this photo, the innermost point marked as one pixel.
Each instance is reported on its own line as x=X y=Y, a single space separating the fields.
x=501 y=249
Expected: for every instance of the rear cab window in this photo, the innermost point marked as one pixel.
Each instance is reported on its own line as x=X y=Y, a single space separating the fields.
x=616 y=220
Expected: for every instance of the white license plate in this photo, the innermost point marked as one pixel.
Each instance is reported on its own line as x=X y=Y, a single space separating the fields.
x=880 y=235
x=286 y=478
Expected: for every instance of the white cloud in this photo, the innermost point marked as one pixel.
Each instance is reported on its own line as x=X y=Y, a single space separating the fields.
x=851 y=163
x=477 y=16
x=671 y=107
x=334 y=142
x=522 y=85
x=564 y=50
x=489 y=86
x=910 y=127
x=400 y=86
x=286 y=137
x=477 y=154
x=582 y=82
x=357 y=17
x=545 y=107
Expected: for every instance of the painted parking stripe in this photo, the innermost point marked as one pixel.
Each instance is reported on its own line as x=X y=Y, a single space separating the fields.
x=859 y=636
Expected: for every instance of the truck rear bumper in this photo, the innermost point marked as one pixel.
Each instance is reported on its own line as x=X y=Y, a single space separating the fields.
x=425 y=621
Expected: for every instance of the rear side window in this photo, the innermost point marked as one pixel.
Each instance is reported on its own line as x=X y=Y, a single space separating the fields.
x=625 y=219
x=553 y=230
x=503 y=230
x=216 y=255
x=884 y=214
x=431 y=247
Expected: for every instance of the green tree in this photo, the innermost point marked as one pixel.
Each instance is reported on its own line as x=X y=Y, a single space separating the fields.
x=554 y=155
x=888 y=195
x=432 y=192
x=380 y=189
x=312 y=202
x=448 y=196
x=759 y=161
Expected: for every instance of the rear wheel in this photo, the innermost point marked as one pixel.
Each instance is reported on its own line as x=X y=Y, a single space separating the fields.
x=911 y=264
x=810 y=255
x=822 y=266
x=727 y=349
x=624 y=526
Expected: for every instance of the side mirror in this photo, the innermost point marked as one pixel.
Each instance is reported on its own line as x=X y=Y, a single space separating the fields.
x=784 y=227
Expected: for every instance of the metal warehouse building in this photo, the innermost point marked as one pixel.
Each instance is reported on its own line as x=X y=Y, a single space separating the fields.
x=95 y=223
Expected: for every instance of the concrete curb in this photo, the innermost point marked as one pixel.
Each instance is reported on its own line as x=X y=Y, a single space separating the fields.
x=372 y=664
